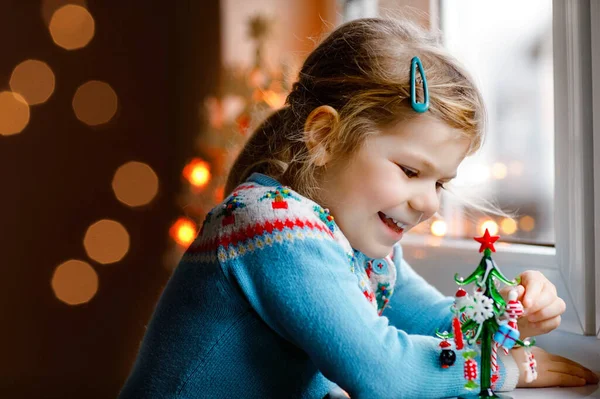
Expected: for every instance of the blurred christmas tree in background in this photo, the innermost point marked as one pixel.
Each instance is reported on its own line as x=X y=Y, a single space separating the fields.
x=250 y=94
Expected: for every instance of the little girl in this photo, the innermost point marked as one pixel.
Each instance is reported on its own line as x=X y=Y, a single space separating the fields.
x=296 y=284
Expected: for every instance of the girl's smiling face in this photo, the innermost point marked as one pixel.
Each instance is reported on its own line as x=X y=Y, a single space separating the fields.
x=398 y=173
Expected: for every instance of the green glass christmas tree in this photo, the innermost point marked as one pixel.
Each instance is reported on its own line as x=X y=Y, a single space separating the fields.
x=485 y=323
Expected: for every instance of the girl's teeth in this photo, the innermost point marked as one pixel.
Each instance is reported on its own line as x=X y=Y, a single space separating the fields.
x=401 y=225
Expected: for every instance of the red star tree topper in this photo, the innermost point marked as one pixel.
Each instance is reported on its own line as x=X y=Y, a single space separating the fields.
x=487 y=241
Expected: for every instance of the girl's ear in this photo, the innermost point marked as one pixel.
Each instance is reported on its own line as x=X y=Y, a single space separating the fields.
x=319 y=124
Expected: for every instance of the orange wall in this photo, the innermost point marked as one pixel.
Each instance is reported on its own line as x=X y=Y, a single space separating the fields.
x=296 y=22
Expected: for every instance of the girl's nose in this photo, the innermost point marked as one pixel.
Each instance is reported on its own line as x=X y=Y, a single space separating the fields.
x=427 y=201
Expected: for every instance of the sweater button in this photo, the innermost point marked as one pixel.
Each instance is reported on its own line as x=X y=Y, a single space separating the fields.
x=380 y=266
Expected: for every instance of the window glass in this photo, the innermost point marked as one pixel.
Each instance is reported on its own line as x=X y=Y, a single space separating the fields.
x=507 y=47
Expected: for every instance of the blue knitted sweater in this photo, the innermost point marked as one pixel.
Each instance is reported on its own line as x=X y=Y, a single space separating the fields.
x=271 y=301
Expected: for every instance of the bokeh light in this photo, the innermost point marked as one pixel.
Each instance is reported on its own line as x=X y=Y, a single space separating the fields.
x=219 y=194
x=135 y=184
x=14 y=113
x=439 y=228
x=106 y=241
x=197 y=172
x=499 y=170
x=273 y=99
x=72 y=27
x=508 y=225
x=257 y=78
x=50 y=6
x=74 y=282
x=34 y=80
x=183 y=232
x=527 y=223
x=95 y=103
x=490 y=225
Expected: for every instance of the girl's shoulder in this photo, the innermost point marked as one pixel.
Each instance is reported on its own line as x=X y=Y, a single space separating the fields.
x=254 y=203
x=265 y=212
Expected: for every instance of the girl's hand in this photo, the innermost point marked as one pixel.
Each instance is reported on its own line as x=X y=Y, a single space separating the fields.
x=541 y=303
x=553 y=370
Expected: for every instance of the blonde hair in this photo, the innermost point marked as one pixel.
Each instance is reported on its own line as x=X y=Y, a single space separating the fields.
x=362 y=70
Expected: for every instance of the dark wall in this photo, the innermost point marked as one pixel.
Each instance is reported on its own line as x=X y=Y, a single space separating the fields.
x=161 y=58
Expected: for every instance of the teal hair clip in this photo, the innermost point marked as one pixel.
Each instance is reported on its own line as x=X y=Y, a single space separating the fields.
x=424 y=106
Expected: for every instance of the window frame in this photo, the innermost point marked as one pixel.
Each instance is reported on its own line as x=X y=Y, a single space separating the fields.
x=595 y=46
x=571 y=264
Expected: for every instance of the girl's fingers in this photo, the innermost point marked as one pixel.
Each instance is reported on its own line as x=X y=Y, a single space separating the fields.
x=556 y=307
x=541 y=301
x=542 y=327
x=569 y=361
x=574 y=370
x=533 y=288
x=588 y=374
x=566 y=380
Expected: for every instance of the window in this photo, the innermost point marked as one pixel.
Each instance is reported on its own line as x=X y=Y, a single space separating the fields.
x=509 y=54
x=521 y=54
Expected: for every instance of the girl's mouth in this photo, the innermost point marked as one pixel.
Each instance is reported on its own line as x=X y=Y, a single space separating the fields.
x=391 y=225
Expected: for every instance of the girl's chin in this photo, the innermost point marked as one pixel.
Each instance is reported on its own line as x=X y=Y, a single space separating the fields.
x=378 y=251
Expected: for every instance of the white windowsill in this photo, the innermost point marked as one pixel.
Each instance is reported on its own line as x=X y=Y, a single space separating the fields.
x=425 y=240
x=582 y=349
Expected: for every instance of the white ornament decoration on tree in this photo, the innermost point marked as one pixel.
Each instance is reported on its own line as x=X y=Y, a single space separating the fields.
x=462 y=302
x=531 y=373
x=482 y=308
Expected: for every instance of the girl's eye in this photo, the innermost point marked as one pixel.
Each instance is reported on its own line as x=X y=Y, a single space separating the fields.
x=408 y=172
x=411 y=173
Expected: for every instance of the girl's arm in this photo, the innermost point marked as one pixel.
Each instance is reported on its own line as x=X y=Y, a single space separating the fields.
x=304 y=290
x=416 y=306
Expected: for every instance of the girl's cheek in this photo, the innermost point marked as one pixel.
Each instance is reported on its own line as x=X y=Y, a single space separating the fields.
x=393 y=189
x=387 y=196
